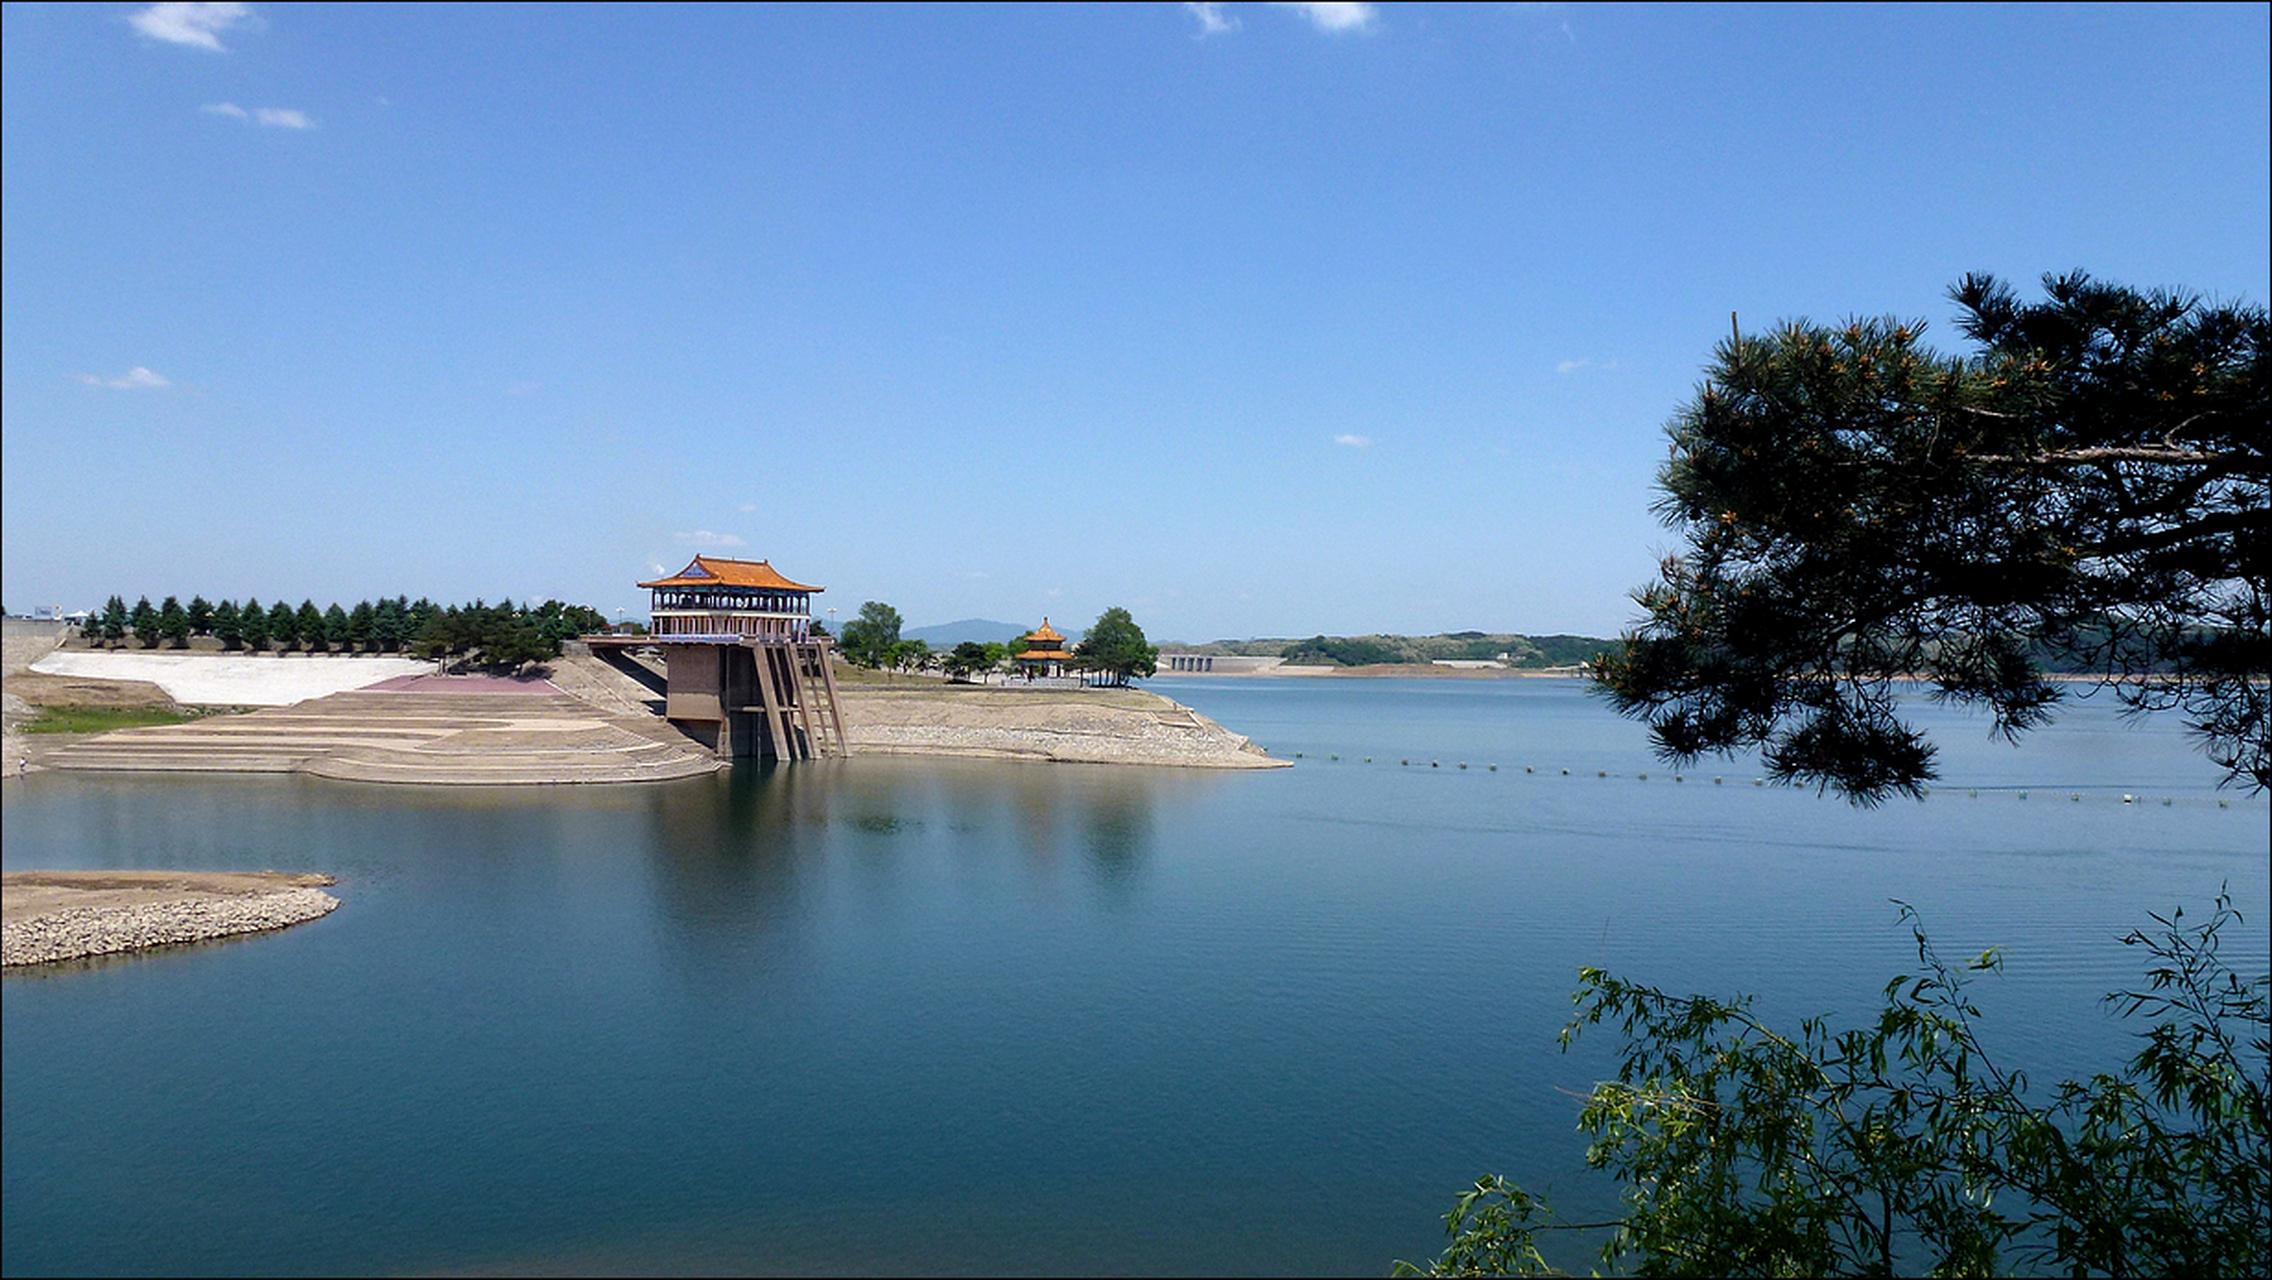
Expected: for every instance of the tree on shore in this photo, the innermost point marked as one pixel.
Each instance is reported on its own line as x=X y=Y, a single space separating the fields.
x=200 y=616
x=389 y=623
x=362 y=624
x=2089 y=484
x=308 y=623
x=173 y=623
x=283 y=625
x=868 y=639
x=964 y=660
x=909 y=655
x=143 y=618
x=253 y=621
x=111 y=626
x=1116 y=649
x=228 y=626
x=1902 y=1147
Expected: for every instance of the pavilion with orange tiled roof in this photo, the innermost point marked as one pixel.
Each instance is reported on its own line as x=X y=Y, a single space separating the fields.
x=714 y=598
x=1043 y=652
x=743 y=673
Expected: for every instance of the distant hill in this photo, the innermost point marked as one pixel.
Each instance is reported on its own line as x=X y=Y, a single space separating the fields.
x=946 y=635
x=1471 y=646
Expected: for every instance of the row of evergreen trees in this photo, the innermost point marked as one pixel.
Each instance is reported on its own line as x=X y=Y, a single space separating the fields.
x=500 y=635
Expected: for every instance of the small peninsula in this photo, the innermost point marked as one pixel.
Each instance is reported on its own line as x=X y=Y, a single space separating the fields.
x=48 y=916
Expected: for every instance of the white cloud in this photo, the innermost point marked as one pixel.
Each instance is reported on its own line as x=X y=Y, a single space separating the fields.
x=196 y=25
x=749 y=506
x=1212 y=20
x=266 y=117
x=1571 y=366
x=134 y=379
x=1335 y=15
x=1354 y=442
x=705 y=538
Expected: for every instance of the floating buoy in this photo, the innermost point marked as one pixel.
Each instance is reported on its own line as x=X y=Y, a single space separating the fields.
x=1715 y=782
x=2224 y=804
x=1333 y=757
x=1759 y=782
x=2127 y=798
x=1677 y=778
x=1433 y=765
x=1297 y=755
x=1565 y=773
x=1973 y=794
x=2023 y=795
x=2165 y=802
x=1601 y=773
x=1368 y=759
x=2075 y=798
x=1642 y=776
x=1494 y=768
x=1526 y=769
x=1463 y=764
x=1404 y=762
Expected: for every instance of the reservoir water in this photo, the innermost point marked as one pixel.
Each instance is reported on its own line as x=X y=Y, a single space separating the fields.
x=964 y=1017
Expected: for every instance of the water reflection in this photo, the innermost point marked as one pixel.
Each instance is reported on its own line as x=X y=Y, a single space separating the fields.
x=744 y=864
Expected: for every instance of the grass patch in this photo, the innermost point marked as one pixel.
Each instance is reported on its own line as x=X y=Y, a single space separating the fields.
x=105 y=719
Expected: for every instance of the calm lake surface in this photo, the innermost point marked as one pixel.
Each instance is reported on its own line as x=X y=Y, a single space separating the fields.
x=964 y=1017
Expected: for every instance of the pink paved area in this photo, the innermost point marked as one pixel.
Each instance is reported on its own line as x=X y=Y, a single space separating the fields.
x=462 y=684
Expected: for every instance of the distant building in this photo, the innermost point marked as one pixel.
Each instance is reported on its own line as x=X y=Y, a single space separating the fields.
x=714 y=598
x=1042 y=652
x=1176 y=662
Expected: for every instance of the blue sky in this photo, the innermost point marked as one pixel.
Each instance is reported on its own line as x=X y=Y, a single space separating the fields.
x=1254 y=319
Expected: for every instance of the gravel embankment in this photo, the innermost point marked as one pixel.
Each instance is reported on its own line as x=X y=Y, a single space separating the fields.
x=67 y=915
x=1072 y=727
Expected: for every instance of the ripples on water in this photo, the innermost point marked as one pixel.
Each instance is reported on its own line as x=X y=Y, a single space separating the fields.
x=954 y=1016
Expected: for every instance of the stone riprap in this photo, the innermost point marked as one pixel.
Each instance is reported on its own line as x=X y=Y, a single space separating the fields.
x=52 y=916
x=1123 y=726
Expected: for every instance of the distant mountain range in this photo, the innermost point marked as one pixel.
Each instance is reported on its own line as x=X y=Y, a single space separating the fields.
x=946 y=635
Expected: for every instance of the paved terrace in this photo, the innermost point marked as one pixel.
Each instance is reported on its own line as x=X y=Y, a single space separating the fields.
x=418 y=729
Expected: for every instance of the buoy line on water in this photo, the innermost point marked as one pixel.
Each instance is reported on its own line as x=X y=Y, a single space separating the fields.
x=1971 y=793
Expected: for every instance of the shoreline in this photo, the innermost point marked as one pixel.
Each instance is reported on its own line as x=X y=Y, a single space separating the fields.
x=1069 y=726
x=586 y=723
x=47 y=917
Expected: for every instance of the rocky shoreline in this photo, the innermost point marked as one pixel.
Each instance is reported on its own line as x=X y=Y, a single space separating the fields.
x=66 y=915
x=1094 y=726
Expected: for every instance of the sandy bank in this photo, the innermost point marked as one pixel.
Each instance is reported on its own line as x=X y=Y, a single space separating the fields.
x=233 y=679
x=47 y=916
x=1082 y=726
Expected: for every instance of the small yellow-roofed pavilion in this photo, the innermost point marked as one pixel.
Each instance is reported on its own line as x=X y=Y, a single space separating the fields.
x=1042 y=652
